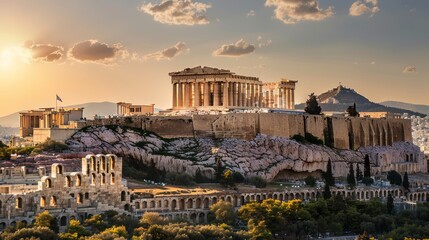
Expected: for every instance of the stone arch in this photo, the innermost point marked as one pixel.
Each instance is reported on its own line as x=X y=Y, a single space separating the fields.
x=235 y=201
x=248 y=199
x=173 y=204
x=93 y=179
x=67 y=181
x=242 y=200
x=48 y=183
x=206 y=203
x=152 y=204
x=63 y=221
x=159 y=204
x=193 y=218
x=182 y=204
x=123 y=196
x=144 y=204
x=127 y=207
x=2 y=225
x=258 y=197
x=190 y=203
x=42 y=201
x=201 y=218
x=79 y=198
x=214 y=200
x=275 y=196
x=112 y=178
x=198 y=203
x=59 y=169
x=78 y=180
x=93 y=163
x=165 y=203
x=103 y=178
x=53 y=201
x=103 y=163
x=228 y=199
x=112 y=160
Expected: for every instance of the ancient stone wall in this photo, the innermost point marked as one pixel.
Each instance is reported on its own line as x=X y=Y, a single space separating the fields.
x=337 y=132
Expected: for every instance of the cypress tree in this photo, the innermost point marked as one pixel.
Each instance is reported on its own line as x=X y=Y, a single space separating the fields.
x=351 y=176
x=329 y=177
x=359 y=176
x=367 y=168
x=405 y=182
x=327 y=191
x=390 y=206
x=312 y=105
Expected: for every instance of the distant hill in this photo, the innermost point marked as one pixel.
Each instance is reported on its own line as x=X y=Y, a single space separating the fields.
x=340 y=98
x=408 y=106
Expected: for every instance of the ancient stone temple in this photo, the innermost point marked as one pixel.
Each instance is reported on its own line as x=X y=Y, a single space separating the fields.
x=211 y=88
x=205 y=87
x=279 y=94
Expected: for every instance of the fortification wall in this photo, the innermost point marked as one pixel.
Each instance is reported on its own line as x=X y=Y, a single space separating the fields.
x=169 y=127
x=337 y=132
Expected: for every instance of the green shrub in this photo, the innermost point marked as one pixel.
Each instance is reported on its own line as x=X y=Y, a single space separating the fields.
x=238 y=177
x=367 y=181
x=310 y=181
x=179 y=179
x=258 y=182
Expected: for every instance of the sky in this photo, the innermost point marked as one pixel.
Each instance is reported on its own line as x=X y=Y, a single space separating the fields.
x=111 y=50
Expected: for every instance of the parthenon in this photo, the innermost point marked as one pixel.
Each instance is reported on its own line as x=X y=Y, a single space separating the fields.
x=213 y=88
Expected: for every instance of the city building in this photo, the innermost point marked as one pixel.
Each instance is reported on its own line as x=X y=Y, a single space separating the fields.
x=128 y=109
x=380 y=115
x=56 y=124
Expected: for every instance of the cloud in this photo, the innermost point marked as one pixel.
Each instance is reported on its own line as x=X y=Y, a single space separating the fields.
x=373 y=63
x=43 y=52
x=251 y=13
x=178 y=12
x=235 y=49
x=410 y=69
x=362 y=7
x=97 y=52
x=263 y=44
x=293 y=11
x=167 y=53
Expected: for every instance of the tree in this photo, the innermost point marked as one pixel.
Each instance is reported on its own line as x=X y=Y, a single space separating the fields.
x=227 y=179
x=351 y=176
x=224 y=212
x=312 y=105
x=152 y=218
x=75 y=228
x=328 y=176
x=259 y=231
x=327 y=191
x=2 y=145
x=390 y=206
x=258 y=182
x=219 y=169
x=405 y=182
x=96 y=222
x=310 y=181
x=359 y=175
x=394 y=177
x=44 y=219
x=351 y=110
x=366 y=168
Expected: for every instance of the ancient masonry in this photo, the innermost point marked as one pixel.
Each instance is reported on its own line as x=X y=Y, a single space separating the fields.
x=206 y=88
x=337 y=132
x=99 y=187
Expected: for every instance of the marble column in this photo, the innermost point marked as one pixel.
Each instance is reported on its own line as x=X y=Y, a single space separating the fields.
x=239 y=96
x=197 y=95
x=174 y=95
x=279 y=98
x=284 y=99
x=187 y=90
x=248 y=95
x=271 y=104
x=293 y=98
x=180 y=91
x=225 y=94
x=230 y=94
x=206 y=94
x=252 y=95
x=216 y=94
x=235 y=90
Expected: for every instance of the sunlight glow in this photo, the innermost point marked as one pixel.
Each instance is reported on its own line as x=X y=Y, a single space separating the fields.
x=12 y=56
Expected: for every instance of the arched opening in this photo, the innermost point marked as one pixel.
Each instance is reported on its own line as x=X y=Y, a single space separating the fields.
x=42 y=201
x=59 y=169
x=127 y=207
x=79 y=198
x=190 y=204
x=112 y=178
x=93 y=179
x=206 y=203
x=214 y=200
x=86 y=195
x=112 y=163
x=103 y=178
x=201 y=218
x=182 y=204
x=137 y=205
x=18 y=203
x=173 y=204
x=198 y=203
x=165 y=203
x=48 y=183
x=63 y=221
x=78 y=180
x=123 y=196
x=193 y=218
x=68 y=181
x=152 y=204
x=103 y=163
x=228 y=199
x=93 y=161
x=53 y=201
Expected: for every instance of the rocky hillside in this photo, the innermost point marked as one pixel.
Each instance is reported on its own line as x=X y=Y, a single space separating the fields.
x=340 y=98
x=266 y=156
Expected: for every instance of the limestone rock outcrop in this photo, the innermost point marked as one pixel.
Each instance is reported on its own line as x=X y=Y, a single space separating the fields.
x=267 y=156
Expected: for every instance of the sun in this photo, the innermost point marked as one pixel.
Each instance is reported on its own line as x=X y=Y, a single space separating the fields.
x=6 y=58
x=12 y=56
